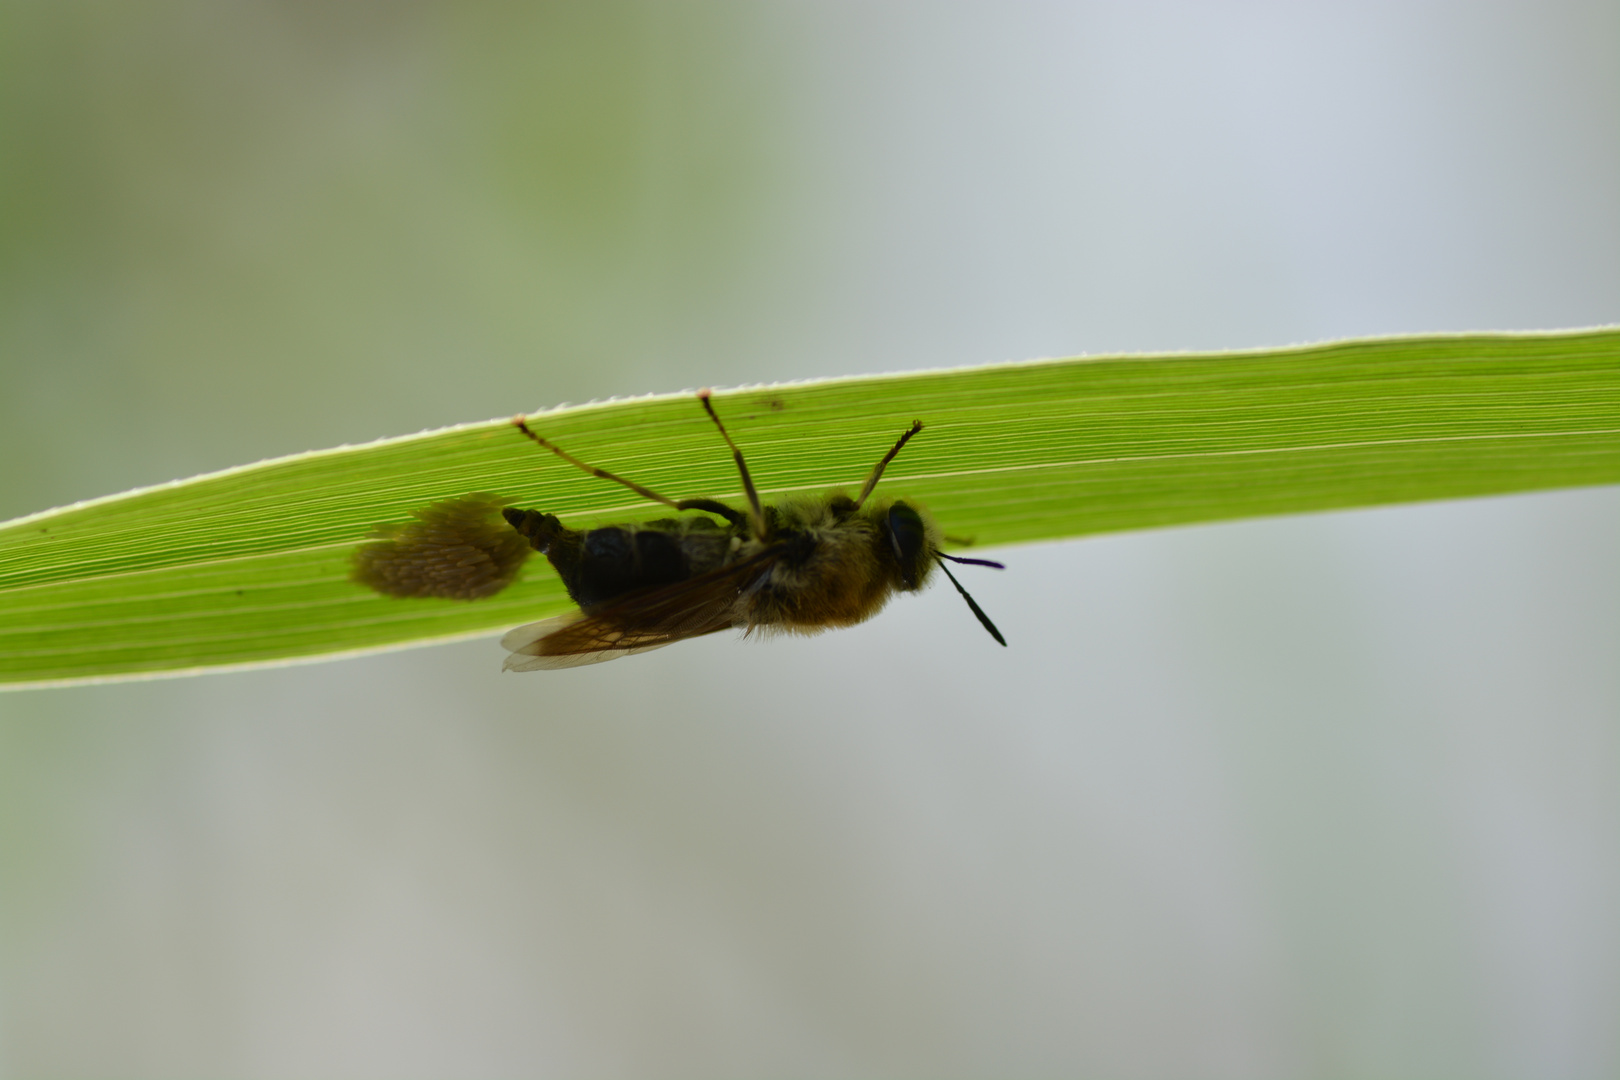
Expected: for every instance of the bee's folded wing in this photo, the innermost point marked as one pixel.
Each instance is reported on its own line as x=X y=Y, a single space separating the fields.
x=637 y=622
x=525 y=645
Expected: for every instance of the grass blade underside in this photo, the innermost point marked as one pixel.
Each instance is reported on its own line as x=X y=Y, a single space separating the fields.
x=251 y=565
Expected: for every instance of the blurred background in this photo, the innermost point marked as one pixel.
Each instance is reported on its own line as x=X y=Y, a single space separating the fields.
x=1323 y=796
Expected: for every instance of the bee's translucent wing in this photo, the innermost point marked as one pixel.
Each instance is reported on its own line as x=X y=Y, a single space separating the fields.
x=520 y=638
x=523 y=644
x=638 y=622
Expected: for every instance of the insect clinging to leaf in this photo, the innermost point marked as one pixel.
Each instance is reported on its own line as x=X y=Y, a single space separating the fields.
x=801 y=565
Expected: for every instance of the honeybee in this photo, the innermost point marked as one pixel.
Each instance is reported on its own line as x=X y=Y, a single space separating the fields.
x=799 y=566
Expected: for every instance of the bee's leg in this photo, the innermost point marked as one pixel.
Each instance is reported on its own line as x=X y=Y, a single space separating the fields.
x=709 y=506
x=877 y=473
x=754 y=509
x=603 y=474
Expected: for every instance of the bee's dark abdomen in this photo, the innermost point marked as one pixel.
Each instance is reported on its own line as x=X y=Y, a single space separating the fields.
x=660 y=559
x=615 y=561
x=540 y=530
x=603 y=564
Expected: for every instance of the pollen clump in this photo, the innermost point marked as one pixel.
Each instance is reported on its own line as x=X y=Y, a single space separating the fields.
x=457 y=549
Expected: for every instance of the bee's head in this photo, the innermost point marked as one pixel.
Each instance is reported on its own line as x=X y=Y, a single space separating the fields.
x=908 y=537
x=916 y=553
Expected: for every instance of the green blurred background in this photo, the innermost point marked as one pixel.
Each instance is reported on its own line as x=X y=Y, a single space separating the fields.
x=1323 y=796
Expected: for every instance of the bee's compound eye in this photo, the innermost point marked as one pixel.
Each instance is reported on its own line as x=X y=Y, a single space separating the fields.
x=909 y=539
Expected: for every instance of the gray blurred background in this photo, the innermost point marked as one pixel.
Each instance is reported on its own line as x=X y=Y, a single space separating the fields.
x=1330 y=796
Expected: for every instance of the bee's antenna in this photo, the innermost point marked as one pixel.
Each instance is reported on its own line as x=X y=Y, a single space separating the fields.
x=742 y=467
x=971 y=562
x=872 y=481
x=984 y=620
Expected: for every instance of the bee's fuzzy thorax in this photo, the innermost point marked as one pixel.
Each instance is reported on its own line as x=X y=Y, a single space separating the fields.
x=842 y=565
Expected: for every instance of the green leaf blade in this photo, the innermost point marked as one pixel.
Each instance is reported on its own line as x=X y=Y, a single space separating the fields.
x=250 y=566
